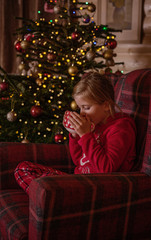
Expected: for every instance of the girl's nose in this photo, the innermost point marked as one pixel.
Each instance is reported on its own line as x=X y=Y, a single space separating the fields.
x=82 y=113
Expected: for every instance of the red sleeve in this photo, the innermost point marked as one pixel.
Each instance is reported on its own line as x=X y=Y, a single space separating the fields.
x=118 y=143
x=75 y=149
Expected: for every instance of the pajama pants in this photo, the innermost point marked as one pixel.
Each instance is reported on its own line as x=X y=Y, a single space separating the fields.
x=26 y=171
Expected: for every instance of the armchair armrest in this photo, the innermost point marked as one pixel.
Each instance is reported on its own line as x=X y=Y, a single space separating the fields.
x=11 y=154
x=90 y=206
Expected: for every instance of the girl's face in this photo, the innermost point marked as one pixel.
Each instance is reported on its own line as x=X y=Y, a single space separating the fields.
x=97 y=113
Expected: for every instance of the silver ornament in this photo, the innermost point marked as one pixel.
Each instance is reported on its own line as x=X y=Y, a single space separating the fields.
x=90 y=55
x=56 y=9
x=11 y=116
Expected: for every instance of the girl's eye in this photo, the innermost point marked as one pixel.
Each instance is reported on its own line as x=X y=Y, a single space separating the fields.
x=86 y=108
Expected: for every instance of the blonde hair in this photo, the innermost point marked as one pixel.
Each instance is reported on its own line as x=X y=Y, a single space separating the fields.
x=98 y=87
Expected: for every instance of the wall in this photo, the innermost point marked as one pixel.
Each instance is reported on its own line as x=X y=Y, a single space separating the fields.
x=134 y=55
x=137 y=56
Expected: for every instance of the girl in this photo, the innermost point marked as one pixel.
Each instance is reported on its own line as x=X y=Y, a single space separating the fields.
x=111 y=146
x=108 y=146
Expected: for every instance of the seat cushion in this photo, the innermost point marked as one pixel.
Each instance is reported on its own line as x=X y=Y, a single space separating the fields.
x=14 y=208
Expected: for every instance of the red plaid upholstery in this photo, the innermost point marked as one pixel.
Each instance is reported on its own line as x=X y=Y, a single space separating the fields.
x=14 y=209
x=11 y=154
x=133 y=95
x=113 y=206
x=99 y=206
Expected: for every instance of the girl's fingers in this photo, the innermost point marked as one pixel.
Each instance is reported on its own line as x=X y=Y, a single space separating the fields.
x=78 y=117
x=73 y=121
x=75 y=115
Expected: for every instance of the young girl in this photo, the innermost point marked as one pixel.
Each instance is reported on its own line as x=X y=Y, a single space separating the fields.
x=102 y=141
x=110 y=147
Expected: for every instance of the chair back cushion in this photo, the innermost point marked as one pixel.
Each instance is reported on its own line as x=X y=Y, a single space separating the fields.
x=133 y=95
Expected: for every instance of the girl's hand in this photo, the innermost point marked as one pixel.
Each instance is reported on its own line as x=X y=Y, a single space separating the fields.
x=81 y=124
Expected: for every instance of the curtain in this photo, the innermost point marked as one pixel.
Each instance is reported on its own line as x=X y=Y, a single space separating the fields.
x=9 y=10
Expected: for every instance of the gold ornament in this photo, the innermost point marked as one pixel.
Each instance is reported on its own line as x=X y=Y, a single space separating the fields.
x=108 y=54
x=91 y=7
x=72 y=70
x=22 y=66
x=24 y=44
x=73 y=105
x=39 y=81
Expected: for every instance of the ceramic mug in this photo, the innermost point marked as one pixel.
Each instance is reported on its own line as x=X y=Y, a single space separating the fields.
x=68 y=126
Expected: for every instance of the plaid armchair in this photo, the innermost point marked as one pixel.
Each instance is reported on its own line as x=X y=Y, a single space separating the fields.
x=113 y=206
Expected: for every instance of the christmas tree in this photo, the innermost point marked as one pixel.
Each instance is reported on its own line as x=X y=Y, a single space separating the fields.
x=54 y=54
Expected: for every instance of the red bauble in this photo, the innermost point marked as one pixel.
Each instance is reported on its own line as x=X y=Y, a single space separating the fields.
x=51 y=56
x=3 y=86
x=59 y=138
x=35 y=111
x=18 y=46
x=75 y=36
x=112 y=43
x=28 y=37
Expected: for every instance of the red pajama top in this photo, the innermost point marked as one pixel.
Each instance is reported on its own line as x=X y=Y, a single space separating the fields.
x=109 y=148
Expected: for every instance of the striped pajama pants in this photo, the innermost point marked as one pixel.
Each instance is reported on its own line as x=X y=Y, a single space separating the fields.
x=26 y=171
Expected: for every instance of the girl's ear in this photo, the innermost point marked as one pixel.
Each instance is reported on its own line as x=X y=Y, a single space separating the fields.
x=106 y=106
